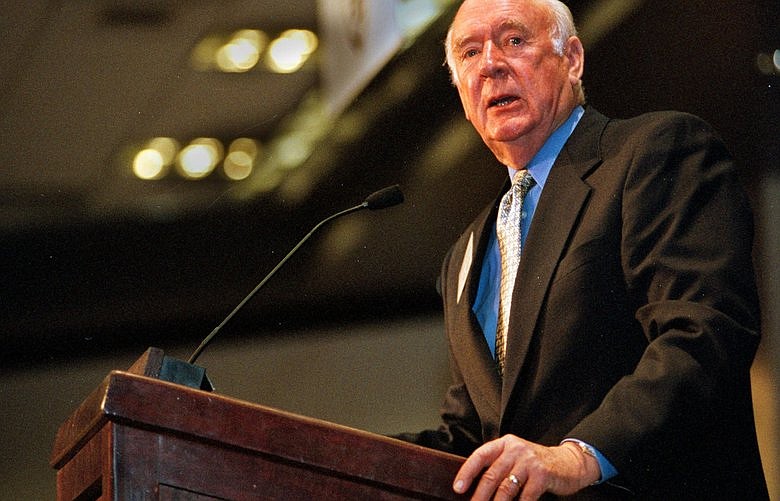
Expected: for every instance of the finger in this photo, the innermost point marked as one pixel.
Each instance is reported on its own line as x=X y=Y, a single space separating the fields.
x=509 y=488
x=532 y=490
x=536 y=483
x=495 y=480
x=475 y=464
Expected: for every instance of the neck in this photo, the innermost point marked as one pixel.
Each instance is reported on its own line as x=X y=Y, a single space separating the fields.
x=517 y=153
x=516 y=156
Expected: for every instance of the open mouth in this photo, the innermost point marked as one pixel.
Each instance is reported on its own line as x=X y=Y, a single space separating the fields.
x=502 y=101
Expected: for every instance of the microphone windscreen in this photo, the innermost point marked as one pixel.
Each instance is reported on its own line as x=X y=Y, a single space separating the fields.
x=386 y=197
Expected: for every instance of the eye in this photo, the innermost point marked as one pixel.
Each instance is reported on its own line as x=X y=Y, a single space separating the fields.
x=470 y=53
x=515 y=41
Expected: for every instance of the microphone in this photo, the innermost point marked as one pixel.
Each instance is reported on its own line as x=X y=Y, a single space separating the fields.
x=382 y=199
x=386 y=197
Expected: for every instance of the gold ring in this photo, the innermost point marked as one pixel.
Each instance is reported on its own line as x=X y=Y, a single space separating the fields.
x=512 y=478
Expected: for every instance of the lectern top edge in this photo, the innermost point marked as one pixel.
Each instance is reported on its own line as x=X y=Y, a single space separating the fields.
x=132 y=429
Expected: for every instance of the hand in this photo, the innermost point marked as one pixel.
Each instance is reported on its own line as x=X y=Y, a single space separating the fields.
x=561 y=470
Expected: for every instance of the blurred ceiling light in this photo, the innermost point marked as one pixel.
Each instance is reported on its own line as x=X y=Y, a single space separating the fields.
x=167 y=146
x=204 y=54
x=242 y=52
x=238 y=165
x=290 y=51
x=769 y=64
x=240 y=160
x=154 y=161
x=235 y=53
x=148 y=164
x=199 y=158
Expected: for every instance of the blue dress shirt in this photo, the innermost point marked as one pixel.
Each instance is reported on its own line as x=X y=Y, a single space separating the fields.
x=486 y=303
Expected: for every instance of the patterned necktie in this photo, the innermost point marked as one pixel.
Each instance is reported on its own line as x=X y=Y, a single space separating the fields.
x=508 y=233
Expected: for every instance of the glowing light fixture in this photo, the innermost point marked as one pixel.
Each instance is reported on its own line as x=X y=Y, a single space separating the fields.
x=199 y=159
x=769 y=64
x=148 y=164
x=242 y=52
x=204 y=55
x=155 y=159
x=290 y=51
x=237 y=52
x=240 y=160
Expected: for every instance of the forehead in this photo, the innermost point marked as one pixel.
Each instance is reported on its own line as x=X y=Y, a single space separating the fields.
x=476 y=17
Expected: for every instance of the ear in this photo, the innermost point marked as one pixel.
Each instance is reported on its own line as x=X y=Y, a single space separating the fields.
x=575 y=55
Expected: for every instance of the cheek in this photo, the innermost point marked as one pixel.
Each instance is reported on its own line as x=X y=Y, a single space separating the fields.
x=467 y=100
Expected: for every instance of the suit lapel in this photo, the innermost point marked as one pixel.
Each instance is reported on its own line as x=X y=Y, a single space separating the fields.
x=473 y=355
x=563 y=199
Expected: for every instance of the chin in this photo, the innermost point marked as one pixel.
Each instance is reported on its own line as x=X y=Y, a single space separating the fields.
x=507 y=134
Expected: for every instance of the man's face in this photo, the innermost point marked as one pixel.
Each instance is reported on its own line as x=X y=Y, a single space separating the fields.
x=513 y=85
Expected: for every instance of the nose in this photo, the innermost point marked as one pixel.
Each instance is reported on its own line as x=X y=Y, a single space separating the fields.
x=492 y=63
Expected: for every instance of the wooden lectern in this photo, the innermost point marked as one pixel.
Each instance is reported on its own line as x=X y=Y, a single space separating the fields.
x=137 y=438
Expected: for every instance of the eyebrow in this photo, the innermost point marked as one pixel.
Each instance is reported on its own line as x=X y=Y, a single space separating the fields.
x=507 y=25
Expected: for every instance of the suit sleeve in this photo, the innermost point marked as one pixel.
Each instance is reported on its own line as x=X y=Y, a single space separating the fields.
x=459 y=432
x=686 y=257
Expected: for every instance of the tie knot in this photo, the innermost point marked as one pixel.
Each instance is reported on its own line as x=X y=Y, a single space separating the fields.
x=523 y=179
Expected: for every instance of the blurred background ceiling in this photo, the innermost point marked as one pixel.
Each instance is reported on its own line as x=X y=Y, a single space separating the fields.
x=102 y=246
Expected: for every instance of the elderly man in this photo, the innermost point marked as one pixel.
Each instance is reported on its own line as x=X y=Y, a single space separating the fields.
x=601 y=315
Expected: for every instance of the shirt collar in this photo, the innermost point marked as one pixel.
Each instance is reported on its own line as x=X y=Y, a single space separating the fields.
x=541 y=164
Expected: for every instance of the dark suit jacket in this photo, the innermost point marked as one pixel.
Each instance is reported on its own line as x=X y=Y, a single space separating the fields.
x=634 y=318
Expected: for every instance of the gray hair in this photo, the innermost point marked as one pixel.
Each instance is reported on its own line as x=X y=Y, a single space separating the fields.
x=561 y=30
x=563 y=24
